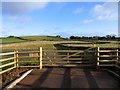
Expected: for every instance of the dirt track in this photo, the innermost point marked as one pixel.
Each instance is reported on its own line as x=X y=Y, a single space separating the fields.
x=68 y=78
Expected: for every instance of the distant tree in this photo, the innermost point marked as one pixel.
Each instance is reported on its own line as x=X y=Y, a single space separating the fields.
x=103 y=38
x=108 y=36
x=83 y=37
x=58 y=36
x=66 y=38
x=10 y=36
x=72 y=37
x=89 y=37
x=95 y=37
x=113 y=36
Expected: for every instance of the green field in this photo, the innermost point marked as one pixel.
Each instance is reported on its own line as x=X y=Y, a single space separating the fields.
x=48 y=42
x=43 y=38
x=11 y=40
x=29 y=38
x=95 y=44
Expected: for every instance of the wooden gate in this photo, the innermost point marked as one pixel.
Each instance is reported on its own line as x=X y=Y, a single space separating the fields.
x=69 y=57
x=96 y=57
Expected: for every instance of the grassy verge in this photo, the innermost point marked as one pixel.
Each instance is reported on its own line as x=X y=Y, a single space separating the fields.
x=12 y=75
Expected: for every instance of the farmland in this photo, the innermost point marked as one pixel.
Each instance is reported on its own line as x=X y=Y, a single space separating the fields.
x=10 y=40
x=48 y=42
x=13 y=39
x=91 y=44
x=43 y=38
x=33 y=43
x=29 y=38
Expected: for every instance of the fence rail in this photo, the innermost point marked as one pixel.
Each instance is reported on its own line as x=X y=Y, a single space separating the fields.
x=96 y=56
x=64 y=58
x=11 y=60
x=107 y=56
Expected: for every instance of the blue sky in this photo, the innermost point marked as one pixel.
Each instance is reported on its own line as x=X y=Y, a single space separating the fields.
x=59 y=18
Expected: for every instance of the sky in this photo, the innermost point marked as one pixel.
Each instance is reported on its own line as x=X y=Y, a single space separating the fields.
x=59 y=18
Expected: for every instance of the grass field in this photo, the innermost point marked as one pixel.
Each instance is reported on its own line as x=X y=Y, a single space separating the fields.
x=29 y=38
x=47 y=42
x=27 y=46
x=43 y=38
x=94 y=44
x=11 y=40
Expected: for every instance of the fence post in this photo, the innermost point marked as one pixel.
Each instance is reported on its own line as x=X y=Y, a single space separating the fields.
x=54 y=56
x=98 y=49
x=117 y=59
x=85 y=53
x=16 y=57
x=67 y=56
x=40 y=58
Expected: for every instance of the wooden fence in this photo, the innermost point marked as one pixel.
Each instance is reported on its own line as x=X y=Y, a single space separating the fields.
x=12 y=60
x=108 y=56
x=95 y=56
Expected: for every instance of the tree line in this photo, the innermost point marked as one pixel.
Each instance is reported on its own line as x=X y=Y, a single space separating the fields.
x=107 y=37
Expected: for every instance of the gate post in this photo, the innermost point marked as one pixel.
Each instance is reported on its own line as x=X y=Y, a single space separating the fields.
x=40 y=58
x=67 y=56
x=54 y=57
x=16 y=58
x=117 y=59
x=97 y=62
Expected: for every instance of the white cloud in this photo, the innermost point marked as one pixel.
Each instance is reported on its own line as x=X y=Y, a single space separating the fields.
x=87 y=21
x=106 y=11
x=16 y=8
x=108 y=17
x=19 y=19
x=78 y=10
